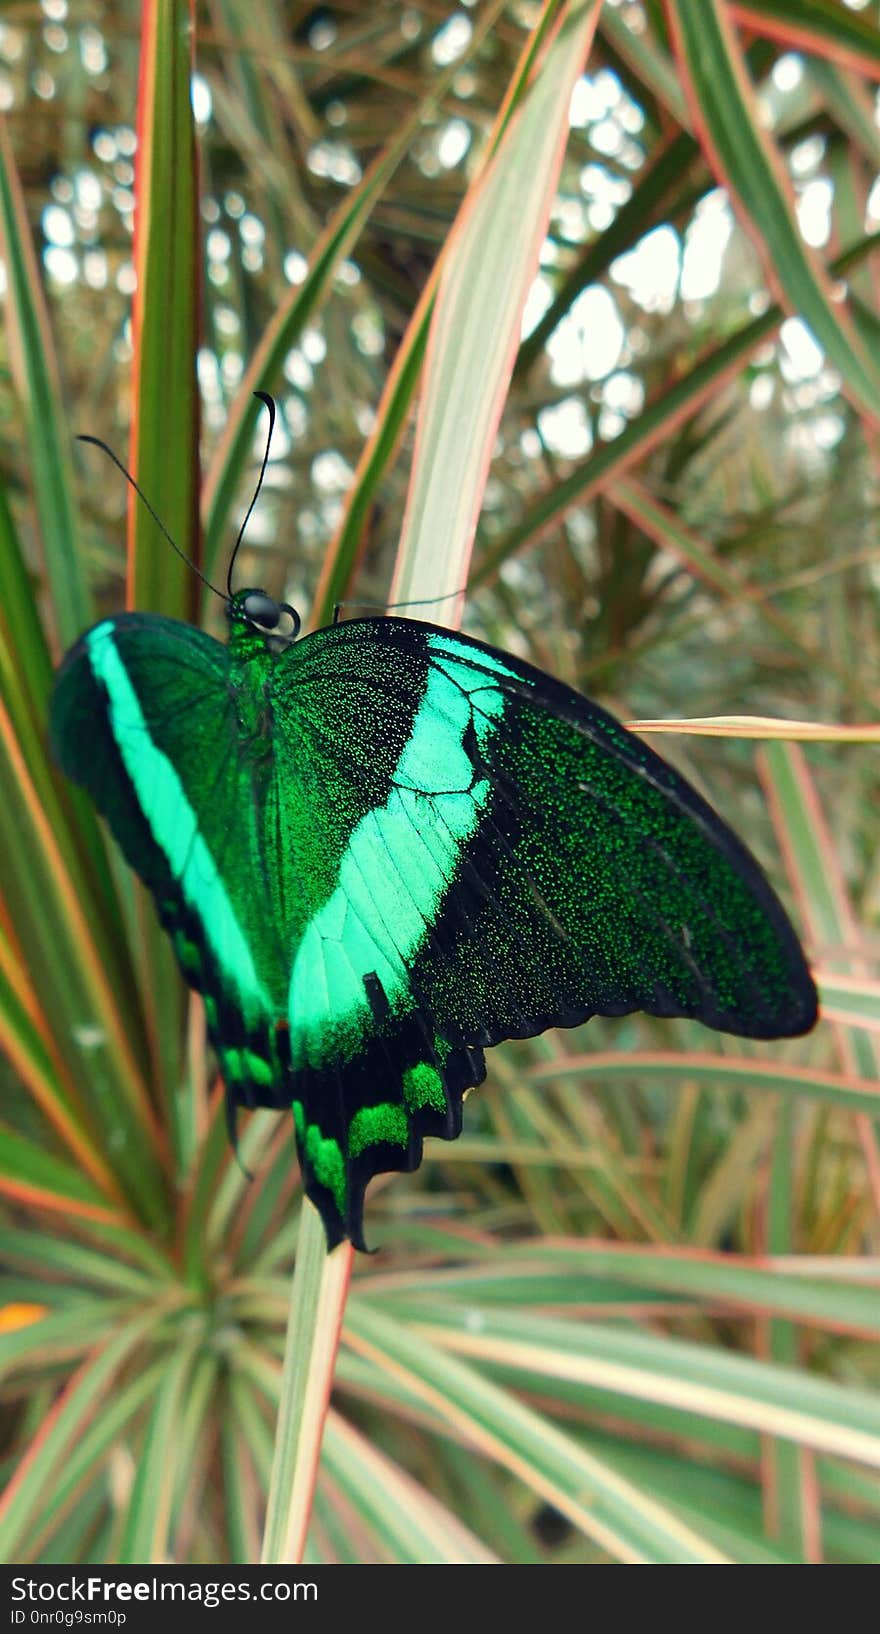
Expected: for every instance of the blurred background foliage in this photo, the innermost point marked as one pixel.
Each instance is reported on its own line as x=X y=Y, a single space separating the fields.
x=632 y=1314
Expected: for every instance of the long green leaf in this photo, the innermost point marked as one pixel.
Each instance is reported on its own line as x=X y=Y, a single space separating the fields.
x=23 y=1504
x=31 y=1174
x=782 y=1401
x=746 y=161
x=403 y=378
x=582 y=1272
x=625 y=1522
x=657 y=420
x=336 y=241
x=476 y=323
x=413 y=1527
x=823 y=27
x=148 y=1516
x=165 y=431
x=35 y=372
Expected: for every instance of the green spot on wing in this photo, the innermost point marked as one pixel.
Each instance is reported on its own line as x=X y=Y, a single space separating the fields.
x=245 y=1065
x=188 y=953
x=324 y=1154
x=423 y=1086
x=373 y=1124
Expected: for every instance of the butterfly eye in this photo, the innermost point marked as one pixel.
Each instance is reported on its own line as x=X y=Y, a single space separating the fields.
x=295 y=620
x=261 y=609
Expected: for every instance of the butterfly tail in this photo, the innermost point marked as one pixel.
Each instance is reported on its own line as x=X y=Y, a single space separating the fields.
x=370 y=1116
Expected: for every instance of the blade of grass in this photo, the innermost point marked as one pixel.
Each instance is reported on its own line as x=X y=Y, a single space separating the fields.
x=695 y=1378
x=78 y=1470
x=720 y=1072
x=68 y=972
x=746 y=161
x=336 y=242
x=76 y=1265
x=487 y=272
x=403 y=378
x=663 y=526
x=646 y=207
x=148 y=1514
x=411 y=1525
x=24 y=1503
x=763 y=726
x=242 y=1493
x=33 y=1176
x=661 y=416
x=621 y=1519
x=826 y=905
x=41 y=1073
x=26 y=679
x=650 y=63
x=165 y=318
x=850 y=1000
x=165 y=439
x=317 y=1299
x=790 y=1492
x=851 y=105
x=821 y=28
x=582 y=1271
x=38 y=388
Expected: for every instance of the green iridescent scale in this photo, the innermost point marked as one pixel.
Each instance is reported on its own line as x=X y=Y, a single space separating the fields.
x=381 y=848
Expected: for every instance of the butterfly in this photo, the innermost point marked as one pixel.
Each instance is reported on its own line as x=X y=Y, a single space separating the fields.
x=382 y=847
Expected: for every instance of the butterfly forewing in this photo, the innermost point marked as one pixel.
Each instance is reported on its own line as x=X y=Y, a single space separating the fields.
x=602 y=883
x=144 y=716
x=387 y=846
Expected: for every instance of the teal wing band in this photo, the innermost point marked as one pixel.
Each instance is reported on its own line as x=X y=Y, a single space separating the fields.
x=142 y=717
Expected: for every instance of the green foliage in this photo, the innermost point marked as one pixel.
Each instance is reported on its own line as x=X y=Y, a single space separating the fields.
x=629 y=1315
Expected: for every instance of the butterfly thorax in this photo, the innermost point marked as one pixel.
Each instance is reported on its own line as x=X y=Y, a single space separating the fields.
x=256 y=636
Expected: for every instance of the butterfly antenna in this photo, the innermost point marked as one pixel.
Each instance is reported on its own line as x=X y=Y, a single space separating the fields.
x=105 y=449
x=425 y=601
x=270 y=404
x=391 y=606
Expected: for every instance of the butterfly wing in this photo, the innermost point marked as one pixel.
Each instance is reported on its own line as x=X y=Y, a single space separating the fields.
x=521 y=861
x=144 y=716
x=619 y=887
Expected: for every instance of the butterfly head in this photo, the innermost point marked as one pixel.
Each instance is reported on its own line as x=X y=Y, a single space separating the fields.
x=254 y=612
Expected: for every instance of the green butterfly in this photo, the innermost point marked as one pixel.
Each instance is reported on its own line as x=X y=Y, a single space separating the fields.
x=385 y=846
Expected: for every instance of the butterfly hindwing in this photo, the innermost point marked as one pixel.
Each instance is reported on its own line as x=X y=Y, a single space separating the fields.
x=386 y=846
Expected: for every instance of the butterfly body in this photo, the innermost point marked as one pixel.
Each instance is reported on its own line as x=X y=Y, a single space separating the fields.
x=383 y=847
